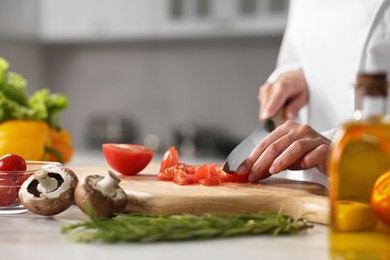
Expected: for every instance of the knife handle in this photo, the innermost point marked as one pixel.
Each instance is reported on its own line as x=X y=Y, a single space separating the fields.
x=275 y=121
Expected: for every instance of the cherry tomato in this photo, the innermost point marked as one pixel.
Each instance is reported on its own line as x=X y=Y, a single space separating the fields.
x=127 y=159
x=12 y=162
x=380 y=198
x=170 y=158
x=8 y=192
x=181 y=178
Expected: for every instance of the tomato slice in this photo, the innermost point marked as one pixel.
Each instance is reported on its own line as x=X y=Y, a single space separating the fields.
x=181 y=178
x=201 y=173
x=183 y=174
x=205 y=171
x=233 y=177
x=209 y=182
x=167 y=174
x=170 y=158
x=8 y=192
x=127 y=159
x=380 y=198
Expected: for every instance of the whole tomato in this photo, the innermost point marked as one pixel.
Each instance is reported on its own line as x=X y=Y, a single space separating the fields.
x=12 y=162
x=380 y=198
x=8 y=192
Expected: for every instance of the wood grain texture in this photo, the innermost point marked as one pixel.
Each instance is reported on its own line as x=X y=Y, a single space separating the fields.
x=149 y=195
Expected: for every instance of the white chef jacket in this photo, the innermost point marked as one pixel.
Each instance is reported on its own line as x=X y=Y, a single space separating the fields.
x=332 y=40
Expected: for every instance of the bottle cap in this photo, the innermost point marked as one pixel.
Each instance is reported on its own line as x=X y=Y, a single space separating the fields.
x=372 y=83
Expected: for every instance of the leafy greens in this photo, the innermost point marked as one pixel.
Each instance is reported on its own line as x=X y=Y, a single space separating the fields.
x=16 y=104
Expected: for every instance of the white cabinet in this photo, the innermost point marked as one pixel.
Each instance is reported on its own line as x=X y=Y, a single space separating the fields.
x=18 y=20
x=107 y=20
x=86 y=20
x=213 y=18
x=259 y=16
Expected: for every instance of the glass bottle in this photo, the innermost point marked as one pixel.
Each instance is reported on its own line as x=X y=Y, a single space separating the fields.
x=359 y=154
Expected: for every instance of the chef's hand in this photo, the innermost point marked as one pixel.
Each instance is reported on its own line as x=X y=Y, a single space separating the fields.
x=289 y=90
x=291 y=146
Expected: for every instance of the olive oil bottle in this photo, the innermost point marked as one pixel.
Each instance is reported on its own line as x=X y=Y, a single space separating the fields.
x=359 y=154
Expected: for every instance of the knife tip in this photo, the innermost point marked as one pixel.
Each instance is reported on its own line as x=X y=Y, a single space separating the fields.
x=226 y=168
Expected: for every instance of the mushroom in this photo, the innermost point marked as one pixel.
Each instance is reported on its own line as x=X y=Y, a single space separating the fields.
x=103 y=194
x=49 y=191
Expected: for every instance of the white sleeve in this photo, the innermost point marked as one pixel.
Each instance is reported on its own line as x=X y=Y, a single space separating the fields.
x=376 y=55
x=287 y=58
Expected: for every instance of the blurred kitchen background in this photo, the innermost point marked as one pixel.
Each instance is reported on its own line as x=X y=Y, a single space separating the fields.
x=153 y=72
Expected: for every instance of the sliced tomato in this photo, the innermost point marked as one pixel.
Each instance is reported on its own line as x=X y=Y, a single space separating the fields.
x=206 y=174
x=181 y=178
x=8 y=192
x=170 y=158
x=167 y=174
x=233 y=177
x=201 y=173
x=127 y=159
x=209 y=182
x=188 y=168
x=205 y=171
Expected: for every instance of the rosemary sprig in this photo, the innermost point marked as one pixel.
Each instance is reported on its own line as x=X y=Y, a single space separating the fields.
x=152 y=228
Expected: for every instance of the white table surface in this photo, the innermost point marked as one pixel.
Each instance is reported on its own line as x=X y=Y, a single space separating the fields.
x=29 y=236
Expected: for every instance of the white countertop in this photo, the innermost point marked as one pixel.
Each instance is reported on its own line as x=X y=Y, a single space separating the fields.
x=29 y=236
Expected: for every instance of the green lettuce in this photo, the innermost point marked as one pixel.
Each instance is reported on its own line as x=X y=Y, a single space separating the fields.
x=16 y=104
x=47 y=106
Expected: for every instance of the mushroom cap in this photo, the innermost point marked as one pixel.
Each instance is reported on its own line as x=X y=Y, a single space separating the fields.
x=102 y=204
x=50 y=203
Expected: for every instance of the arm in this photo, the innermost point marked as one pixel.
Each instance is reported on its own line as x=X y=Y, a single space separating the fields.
x=287 y=83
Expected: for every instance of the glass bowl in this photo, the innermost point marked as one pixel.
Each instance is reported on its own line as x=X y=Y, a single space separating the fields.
x=10 y=182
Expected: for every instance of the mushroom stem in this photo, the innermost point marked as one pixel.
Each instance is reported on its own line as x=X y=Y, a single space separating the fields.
x=108 y=184
x=46 y=184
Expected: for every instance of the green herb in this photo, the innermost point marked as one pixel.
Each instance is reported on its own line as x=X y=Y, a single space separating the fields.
x=152 y=228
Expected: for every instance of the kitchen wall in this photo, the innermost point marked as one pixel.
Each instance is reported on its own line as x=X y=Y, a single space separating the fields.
x=25 y=58
x=162 y=85
x=191 y=75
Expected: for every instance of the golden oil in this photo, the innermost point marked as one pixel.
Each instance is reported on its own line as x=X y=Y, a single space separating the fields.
x=359 y=154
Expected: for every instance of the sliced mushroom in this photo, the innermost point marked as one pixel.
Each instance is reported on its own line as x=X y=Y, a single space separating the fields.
x=103 y=194
x=49 y=192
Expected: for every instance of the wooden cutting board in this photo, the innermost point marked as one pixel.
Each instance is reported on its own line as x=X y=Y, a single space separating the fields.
x=147 y=194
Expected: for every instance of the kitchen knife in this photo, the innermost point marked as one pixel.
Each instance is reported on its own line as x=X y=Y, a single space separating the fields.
x=244 y=149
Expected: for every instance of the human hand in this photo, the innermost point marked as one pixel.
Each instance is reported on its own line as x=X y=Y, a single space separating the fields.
x=288 y=91
x=291 y=146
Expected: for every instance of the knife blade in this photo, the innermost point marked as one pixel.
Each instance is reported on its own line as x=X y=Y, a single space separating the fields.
x=244 y=149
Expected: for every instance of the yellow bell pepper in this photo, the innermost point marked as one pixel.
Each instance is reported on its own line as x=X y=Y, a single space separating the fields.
x=27 y=138
x=61 y=142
